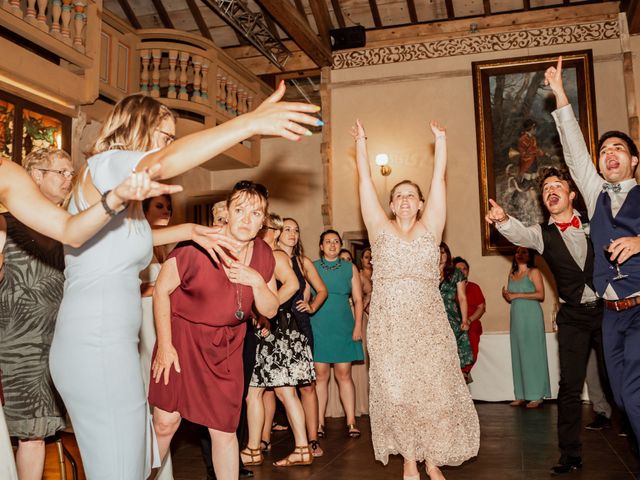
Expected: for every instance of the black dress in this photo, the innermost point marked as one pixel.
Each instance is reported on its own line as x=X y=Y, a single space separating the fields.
x=284 y=357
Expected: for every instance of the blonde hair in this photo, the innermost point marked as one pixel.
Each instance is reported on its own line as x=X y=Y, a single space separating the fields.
x=276 y=221
x=131 y=125
x=43 y=158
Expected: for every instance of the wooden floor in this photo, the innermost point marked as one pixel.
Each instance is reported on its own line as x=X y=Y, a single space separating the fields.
x=516 y=444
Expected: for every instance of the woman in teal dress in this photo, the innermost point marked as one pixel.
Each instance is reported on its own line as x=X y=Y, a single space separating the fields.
x=528 y=343
x=337 y=334
x=453 y=290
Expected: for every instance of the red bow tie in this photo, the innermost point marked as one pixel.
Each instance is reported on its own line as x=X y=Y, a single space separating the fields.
x=575 y=222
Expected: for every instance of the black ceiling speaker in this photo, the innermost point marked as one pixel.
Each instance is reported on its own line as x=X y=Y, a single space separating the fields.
x=348 y=37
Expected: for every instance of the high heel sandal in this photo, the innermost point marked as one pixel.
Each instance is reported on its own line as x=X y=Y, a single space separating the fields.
x=353 y=431
x=252 y=453
x=535 y=403
x=316 y=451
x=410 y=477
x=434 y=469
x=302 y=451
x=265 y=446
x=320 y=431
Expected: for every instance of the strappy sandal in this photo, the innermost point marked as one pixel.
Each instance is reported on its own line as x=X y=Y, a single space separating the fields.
x=321 y=431
x=265 y=446
x=276 y=427
x=353 y=431
x=302 y=451
x=316 y=451
x=253 y=454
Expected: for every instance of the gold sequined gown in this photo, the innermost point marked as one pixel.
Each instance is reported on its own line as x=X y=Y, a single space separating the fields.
x=419 y=404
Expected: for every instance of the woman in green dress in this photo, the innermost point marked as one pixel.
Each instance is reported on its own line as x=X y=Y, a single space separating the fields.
x=528 y=343
x=337 y=334
x=453 y=290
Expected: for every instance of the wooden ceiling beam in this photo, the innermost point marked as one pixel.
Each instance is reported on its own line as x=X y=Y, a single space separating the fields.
x=197 y=16
x=128 y=11
x=451 y=14
x=632 y=9
x=321 y=15
x=413 y=14
x=298 y=29
x=486 y=4
x=300 y=8
x=375 y=13
x=162 y=13
x=337 y=11
x=526 y=5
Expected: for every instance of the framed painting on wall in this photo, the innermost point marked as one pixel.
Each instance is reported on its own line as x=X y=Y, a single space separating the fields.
x=516 y=134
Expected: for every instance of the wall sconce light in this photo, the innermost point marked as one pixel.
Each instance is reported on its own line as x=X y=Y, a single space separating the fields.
x=382 y=160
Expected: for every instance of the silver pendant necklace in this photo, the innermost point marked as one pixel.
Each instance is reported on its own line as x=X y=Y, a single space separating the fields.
x=239 y=313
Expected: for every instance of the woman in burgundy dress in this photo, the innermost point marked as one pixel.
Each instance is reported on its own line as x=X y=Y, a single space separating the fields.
x=200 y=310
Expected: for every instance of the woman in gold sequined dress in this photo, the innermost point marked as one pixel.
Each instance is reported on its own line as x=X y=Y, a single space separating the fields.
x=419 y=404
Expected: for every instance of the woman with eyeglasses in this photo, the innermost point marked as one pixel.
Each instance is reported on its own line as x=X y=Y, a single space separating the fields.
x=337 y=332
x=201 y=310
x=283 y=361
x=94 y=357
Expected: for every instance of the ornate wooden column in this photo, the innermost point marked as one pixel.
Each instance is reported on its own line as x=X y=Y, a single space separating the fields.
x=326 y=153
x=629 y=81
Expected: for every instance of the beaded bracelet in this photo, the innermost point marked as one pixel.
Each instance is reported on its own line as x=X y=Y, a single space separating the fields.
x=103 y=200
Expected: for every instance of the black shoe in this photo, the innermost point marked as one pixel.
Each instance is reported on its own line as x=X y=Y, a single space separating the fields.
x=245 y=473
x=566 y=465
x=599 y=422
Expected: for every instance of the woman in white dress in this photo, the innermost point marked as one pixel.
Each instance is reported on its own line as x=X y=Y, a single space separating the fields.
x=94 y=356
x=157 y=211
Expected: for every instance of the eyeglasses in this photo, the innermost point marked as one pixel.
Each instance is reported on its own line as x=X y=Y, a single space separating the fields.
x=168 y=137
x=68 y=174
x=249 y=185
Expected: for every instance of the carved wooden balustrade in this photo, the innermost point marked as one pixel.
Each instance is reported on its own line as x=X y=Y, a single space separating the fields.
x=190 y=73
x=64 y=20
x=57 y=42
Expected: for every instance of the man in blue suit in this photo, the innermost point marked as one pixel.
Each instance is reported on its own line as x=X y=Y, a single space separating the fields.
x=613 y=205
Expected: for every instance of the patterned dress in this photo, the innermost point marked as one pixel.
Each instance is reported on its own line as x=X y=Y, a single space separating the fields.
x=284 y=357
x=30 y=296
x=449 y=290
x=420 y=406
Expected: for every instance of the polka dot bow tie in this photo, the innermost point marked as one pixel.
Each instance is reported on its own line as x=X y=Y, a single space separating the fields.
x=575 y=222
x=611 y=187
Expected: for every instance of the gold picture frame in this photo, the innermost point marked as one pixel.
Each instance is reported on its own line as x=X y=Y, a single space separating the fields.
x=516 y=134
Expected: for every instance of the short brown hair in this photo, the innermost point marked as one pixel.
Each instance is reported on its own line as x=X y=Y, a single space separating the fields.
x=406 y=182
x=562 y=174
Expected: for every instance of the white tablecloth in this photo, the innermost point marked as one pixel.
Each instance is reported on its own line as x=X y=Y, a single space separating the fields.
x=492 y=376
x=7 y=465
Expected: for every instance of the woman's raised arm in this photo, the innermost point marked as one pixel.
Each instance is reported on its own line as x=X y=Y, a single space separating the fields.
x=373 y=214
x=272 y=117
x=435 y=214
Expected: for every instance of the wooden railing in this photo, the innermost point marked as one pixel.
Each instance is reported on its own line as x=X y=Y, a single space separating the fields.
x=63 y=20
x=192 y=74
x=55 y=47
